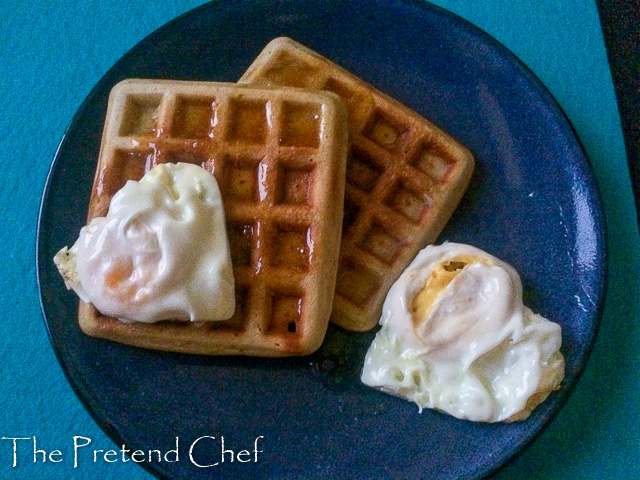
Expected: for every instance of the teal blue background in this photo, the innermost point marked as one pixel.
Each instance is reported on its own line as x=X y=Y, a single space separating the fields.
x=52 y=54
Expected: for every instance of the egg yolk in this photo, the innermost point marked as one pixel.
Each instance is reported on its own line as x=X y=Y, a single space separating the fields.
x=118 y=274
x=441 y=276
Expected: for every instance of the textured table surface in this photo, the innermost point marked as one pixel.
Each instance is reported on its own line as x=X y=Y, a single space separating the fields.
x=53 y=53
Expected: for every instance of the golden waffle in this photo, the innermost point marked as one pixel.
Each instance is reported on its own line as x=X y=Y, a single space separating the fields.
x=405 y=177
x=279 y=157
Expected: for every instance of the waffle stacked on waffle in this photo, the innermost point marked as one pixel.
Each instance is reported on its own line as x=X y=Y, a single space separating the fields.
x=405 y=178
x=279 y=158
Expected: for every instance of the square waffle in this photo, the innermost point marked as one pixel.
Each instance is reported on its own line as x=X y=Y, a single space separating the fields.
x=405 y=177
x=278 y=155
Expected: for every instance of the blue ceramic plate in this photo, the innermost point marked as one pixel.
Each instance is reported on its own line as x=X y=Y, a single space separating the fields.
x=533 y=202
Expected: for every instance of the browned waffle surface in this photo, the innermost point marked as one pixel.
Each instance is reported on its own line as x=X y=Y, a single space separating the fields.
x=405 y=177
x=279 y=157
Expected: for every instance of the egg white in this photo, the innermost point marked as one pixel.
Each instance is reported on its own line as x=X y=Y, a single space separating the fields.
x=161 y=253
x=479 y=354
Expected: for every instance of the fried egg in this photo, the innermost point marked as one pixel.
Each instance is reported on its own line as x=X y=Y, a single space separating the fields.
x=456 y=337
x=161 y=253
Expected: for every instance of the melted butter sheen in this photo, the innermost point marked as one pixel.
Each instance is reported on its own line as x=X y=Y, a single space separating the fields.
x=161 y=253
x=456 y=337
